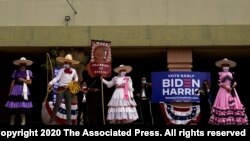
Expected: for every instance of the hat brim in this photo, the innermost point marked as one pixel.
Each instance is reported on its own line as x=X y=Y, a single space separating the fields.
x=27 y=62
x=62 y=60
x=228 y=62
x=127 y=69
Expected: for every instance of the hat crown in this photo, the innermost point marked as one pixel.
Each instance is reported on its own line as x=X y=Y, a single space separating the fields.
x=23 y=58
x=69 y=57
x=225 y=59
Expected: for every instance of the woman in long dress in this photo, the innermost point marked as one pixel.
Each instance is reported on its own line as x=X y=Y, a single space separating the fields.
x=122 y=106
x=227 y=108
x=19 y=102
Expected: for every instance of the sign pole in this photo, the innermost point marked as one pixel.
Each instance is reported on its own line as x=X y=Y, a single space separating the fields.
x=103 y=115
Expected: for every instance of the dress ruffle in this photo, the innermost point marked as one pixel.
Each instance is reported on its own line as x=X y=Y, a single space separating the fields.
x=229 y=116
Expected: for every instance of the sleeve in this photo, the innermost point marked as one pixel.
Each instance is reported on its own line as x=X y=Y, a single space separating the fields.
x=57 y=77
x=109 y=83
x=13 y=74
x=219 y=75
x=75 y=77
x=130 y=84
x=30 y=73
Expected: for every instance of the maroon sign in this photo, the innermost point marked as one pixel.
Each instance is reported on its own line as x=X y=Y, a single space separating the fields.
x=100 y=62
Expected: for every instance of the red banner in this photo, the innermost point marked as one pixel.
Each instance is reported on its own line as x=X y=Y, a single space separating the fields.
x=100 y=62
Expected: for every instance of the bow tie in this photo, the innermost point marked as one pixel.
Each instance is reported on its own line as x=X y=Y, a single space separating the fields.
x=68 y=70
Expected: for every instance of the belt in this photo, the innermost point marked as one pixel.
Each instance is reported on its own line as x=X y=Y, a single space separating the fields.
x=120 y=86
x=62 y=88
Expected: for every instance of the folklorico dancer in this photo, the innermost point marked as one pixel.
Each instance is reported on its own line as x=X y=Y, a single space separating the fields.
x=122 y=106
x=19 y=96
x=227 y=108
x=66 y=76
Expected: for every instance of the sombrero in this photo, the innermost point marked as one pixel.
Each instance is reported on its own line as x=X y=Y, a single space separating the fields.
x=127 y=69
x=225 y=61
x=67 y=58
x=23 y=60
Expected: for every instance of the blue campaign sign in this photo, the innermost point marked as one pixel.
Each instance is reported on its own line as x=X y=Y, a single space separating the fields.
x=177 y=86
x=55 y=86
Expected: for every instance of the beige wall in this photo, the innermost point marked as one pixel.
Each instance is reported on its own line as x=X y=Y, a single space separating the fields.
x=124 y=12
x=127 y=36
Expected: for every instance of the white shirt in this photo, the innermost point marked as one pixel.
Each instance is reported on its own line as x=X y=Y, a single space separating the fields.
x=64 y=78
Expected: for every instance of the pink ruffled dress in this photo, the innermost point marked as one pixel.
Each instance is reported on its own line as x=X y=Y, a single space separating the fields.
x=227 y=109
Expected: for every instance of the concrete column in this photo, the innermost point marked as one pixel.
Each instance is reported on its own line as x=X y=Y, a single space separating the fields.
x=180 y=60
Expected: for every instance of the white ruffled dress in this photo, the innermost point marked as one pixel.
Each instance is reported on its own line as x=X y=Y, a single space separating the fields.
x=122 y=106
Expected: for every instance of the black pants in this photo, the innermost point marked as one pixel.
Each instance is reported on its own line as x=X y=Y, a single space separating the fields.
x=146 y=111
x=82 y=116
x=91 y=110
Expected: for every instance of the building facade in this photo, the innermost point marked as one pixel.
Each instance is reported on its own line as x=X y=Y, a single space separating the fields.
x=177 y=34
